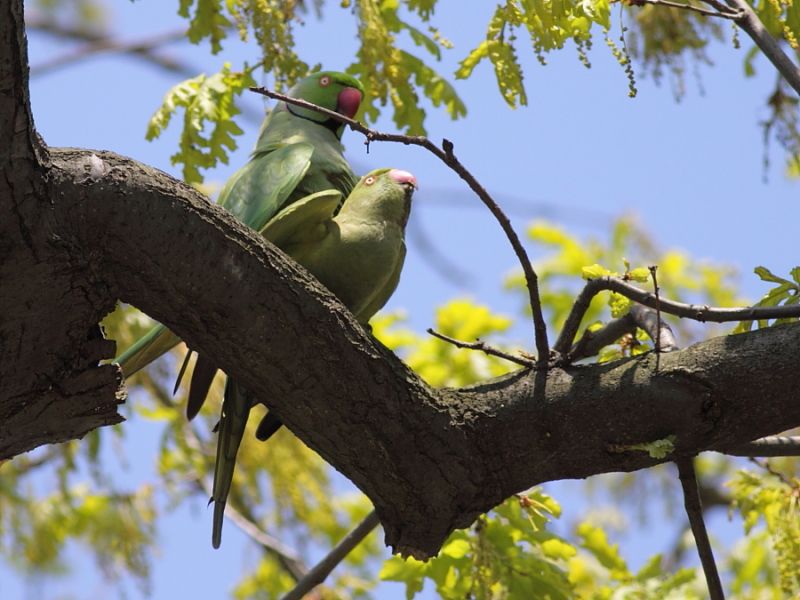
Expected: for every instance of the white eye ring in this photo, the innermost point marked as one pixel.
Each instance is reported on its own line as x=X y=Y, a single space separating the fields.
x=369 y=180
x=324 y=81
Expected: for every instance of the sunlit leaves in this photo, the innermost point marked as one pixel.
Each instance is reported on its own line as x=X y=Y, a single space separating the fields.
x=569 y=259
x=205 y=21
x=117 y=528
x=508 y=553
x=775 y=499
x=549 y=25
x=785 y=293
x=208 y=126
x=441 y=363
x=387 y=71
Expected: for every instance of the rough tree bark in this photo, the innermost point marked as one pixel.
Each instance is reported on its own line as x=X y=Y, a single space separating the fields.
x=81 y=229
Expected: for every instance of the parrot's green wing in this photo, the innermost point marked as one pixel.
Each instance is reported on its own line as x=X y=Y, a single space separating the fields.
x=382 y=295
x=303 y=221
x=259 y=189
x=253 y=194
x=146 y=349
x=298 y=154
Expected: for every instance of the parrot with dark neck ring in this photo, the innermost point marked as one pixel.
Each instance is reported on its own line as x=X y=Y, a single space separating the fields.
x=298 y=153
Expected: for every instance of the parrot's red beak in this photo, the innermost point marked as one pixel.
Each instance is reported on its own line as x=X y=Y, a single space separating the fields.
x=348 y=101
x=403 y=177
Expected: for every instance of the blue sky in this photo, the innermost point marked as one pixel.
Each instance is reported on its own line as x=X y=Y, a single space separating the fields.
x=580 y=154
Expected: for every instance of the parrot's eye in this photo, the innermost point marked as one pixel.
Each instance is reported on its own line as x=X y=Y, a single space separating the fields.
x=324 y=81
x=369 y=180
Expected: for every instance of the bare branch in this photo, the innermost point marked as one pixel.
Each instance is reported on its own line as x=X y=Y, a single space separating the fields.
x=697 y=312
x=447 y=156
x=741 y=13
x=592 y=342
x=324 y=567
x=722 y=11
x=753 y=26
x=764 y=464
x=97 y=42
x=483 y=347
x=774 y=445
x=694 y=510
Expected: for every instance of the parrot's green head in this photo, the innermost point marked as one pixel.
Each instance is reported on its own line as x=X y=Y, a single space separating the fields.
x=329 y=89
x=383 y=195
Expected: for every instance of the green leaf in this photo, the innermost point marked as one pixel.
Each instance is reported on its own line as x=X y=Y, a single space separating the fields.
x=766 y=275
x=595 y=541
x=209 y=130
x=594 y=272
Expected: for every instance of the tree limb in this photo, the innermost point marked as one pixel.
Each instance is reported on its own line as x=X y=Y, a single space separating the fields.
x=323 y=568
x=88 y=228
x=753 y=26
x=774 y=445
x=694 y=510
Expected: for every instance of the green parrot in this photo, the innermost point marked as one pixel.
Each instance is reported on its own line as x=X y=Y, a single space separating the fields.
x=357 y=253
x=298 y=153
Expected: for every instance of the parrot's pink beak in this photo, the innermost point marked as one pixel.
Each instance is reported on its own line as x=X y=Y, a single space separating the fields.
x=403 y=177
x=348 y=101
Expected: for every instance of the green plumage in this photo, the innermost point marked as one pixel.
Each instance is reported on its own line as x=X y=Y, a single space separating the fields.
x=298 y=153
x=357 y=254
x=290 y=191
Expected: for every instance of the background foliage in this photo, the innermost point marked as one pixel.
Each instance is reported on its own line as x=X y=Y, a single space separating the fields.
x=72 y=494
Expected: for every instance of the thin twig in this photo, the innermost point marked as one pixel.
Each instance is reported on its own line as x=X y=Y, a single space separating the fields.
x=723 y=13
x=483 y=347
x=774 y=445
x=741 y=13
x=97 y=42
x=694 y=510
x=638 y=317
x=287 y=557
x=697 y=312
x=753 y=27
x=768 y=468
x=446 y=155
x=323 y=568
x=657 y=340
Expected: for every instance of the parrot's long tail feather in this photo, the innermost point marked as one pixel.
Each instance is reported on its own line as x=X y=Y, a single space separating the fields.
x=179 y=378
x=202 y=377
x=235 y=410
x=149 y=347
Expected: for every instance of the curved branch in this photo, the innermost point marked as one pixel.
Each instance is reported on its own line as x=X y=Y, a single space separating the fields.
x=444 y=456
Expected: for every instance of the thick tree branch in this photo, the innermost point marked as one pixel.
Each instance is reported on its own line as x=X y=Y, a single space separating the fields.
x=443 y=456
x=89 y=228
